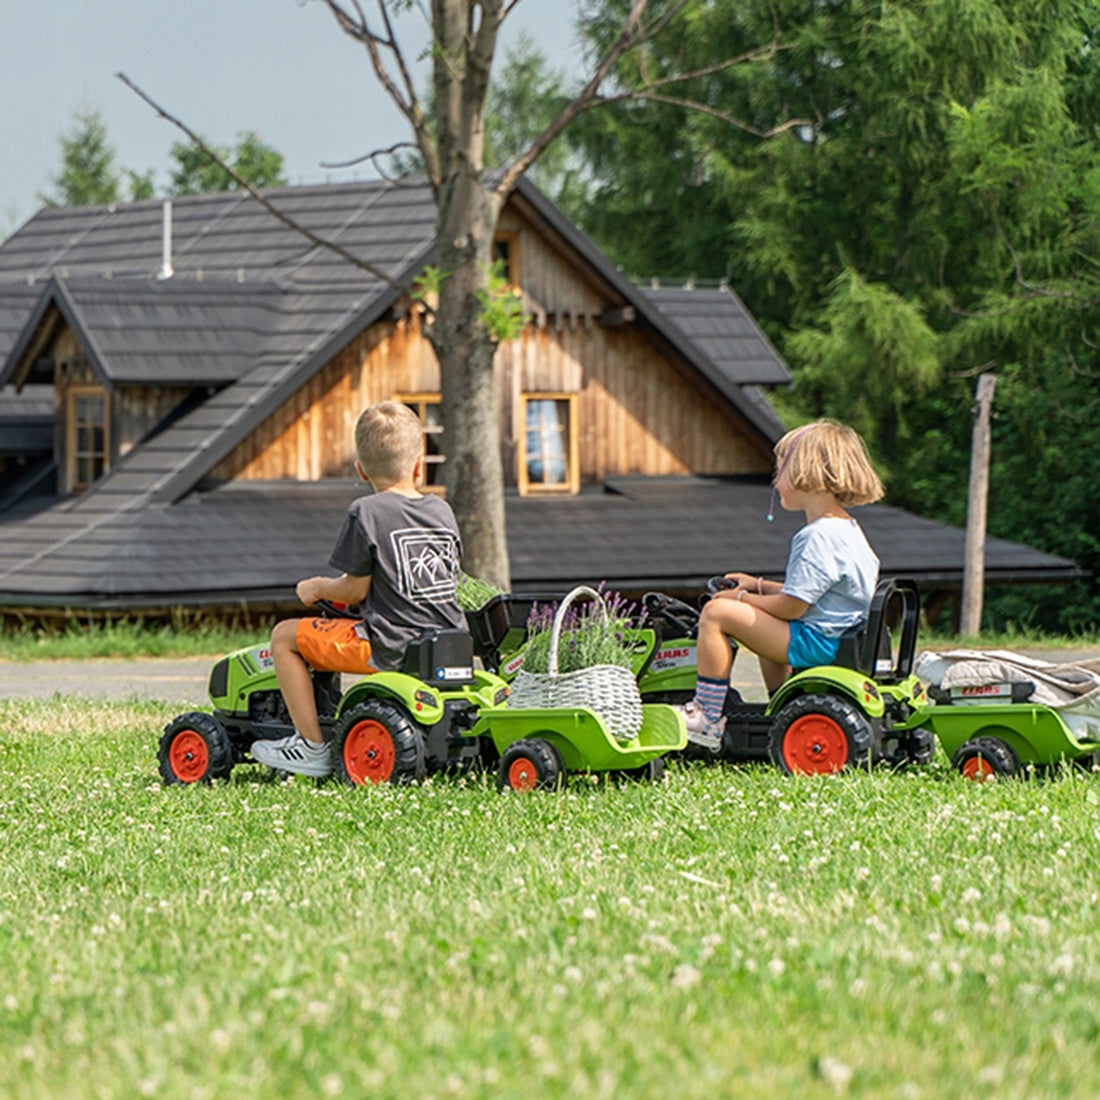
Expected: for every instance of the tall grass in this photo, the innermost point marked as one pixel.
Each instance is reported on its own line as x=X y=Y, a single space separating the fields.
x=126 y=638
x=730 y=933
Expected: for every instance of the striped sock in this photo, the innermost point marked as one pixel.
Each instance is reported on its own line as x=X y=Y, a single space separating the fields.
x=710 y=695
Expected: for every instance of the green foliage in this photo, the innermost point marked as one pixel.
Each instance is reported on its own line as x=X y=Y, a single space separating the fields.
x=88 y=173
x=525 y=97
x=875 y=352
x=183 y=634
x=426 y=286
x=591 y=634
x=933 y=213
x=501 y=305
x=252 y=159
x=474 y=593
x=900 y=935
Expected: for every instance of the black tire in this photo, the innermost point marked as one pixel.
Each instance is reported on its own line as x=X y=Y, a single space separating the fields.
x=908 y=748
x=194 y=749
x=669 y=698
x=651 y=772
x=529 y=765
x=377 y=742
x=819 y=735
x=985 y=758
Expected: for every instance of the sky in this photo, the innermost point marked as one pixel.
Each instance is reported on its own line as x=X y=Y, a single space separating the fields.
x=279 y=67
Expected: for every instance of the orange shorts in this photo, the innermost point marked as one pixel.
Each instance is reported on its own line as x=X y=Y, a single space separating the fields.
x=332 y=645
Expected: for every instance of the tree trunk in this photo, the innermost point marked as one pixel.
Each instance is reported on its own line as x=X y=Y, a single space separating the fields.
x=974 y=565
x=473 y=473
x=465 y=34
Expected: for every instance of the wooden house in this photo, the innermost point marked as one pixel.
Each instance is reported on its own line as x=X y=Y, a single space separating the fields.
x=203 y=365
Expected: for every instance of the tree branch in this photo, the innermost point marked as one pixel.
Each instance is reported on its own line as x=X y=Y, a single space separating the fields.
x=237 y=178
x=632 y=35
x=373 y=156
x=628 y=36
x=722 y=116
x=403 y=95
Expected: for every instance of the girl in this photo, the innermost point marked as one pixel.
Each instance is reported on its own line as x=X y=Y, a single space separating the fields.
x=822 y=469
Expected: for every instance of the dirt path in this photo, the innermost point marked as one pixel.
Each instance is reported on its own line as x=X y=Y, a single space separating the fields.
x=183 y=679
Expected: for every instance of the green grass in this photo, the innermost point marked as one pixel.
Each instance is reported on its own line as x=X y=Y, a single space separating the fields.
x=730 y=933
x=188 y=635
x=182 y=637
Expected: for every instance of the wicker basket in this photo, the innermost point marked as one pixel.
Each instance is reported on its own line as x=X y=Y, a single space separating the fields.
x=609 y=690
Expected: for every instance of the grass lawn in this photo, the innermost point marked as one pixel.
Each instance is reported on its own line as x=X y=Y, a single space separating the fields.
x=730 y=933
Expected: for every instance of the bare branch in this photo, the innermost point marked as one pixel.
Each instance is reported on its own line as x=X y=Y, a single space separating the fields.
x=628 y=36
x=402 y=94
x=633 y=35
x=237 y=178
x=722 y=116
x=374 y=156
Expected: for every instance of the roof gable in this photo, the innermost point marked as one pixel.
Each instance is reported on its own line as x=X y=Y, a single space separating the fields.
x=142 y=332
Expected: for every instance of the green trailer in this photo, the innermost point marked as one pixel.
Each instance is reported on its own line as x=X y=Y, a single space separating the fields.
x=538 y=748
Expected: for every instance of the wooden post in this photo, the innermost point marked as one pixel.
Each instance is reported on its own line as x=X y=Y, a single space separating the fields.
x=974 y=566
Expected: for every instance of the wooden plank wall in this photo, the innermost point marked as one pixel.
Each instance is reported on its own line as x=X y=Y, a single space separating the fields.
x=311 y=436
x=639 y=412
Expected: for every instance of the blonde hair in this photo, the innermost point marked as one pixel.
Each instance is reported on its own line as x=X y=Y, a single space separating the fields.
x=828 y=457
x=389 y=439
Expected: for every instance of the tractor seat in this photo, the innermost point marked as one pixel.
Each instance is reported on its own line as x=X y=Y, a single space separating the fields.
x=442 y=658
x=867 y=647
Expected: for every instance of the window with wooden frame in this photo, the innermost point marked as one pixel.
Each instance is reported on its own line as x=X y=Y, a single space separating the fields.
x=506 y=254
x=427 y=406
x=87 y=436
x=549 y=456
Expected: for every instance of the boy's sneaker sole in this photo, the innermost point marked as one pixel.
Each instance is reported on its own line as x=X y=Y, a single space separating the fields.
x=294 y=757
x=705 y=739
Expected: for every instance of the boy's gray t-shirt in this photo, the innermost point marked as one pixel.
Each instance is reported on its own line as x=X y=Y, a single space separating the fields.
x=410 y=548
x=833 y=568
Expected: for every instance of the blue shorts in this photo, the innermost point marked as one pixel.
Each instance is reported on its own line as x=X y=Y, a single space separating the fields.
x=809 y=647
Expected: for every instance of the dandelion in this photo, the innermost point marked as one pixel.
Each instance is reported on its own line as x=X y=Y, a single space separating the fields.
x=685 y=976
x=835 y=1072
x=1062 y=967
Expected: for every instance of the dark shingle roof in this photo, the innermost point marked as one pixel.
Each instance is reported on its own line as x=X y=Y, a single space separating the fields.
x=280 y=307
x=169 y=333
x=254 y=312
x=258 y=539
x=716 y=321
x=26 y=421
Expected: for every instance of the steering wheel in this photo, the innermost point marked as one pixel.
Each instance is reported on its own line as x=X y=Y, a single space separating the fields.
x=719 y=584
x=680 y=616
x=331 y=610
x=715 y=585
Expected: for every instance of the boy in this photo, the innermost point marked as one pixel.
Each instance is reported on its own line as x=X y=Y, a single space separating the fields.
x=399 y=551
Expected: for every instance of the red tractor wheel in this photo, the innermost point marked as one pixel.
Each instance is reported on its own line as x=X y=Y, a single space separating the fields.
x=530 y=764
x=819 y=735
x=194 y=749
x=377 y=742
x=986 y=758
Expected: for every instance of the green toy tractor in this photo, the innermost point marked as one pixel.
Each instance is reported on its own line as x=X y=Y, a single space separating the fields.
x=440 y=713
x=864 y=709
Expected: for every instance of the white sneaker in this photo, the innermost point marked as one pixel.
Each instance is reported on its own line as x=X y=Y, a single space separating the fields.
x=700 y=730
x=294 y=754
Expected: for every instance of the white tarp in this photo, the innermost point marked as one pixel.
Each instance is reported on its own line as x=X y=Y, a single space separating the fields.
x=1072 y=689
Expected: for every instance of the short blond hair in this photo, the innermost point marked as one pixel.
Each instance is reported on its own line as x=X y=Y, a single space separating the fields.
x=828 y=457
x=389 y=439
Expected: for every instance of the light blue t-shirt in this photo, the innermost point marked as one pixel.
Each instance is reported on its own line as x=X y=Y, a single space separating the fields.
x=833 y=568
